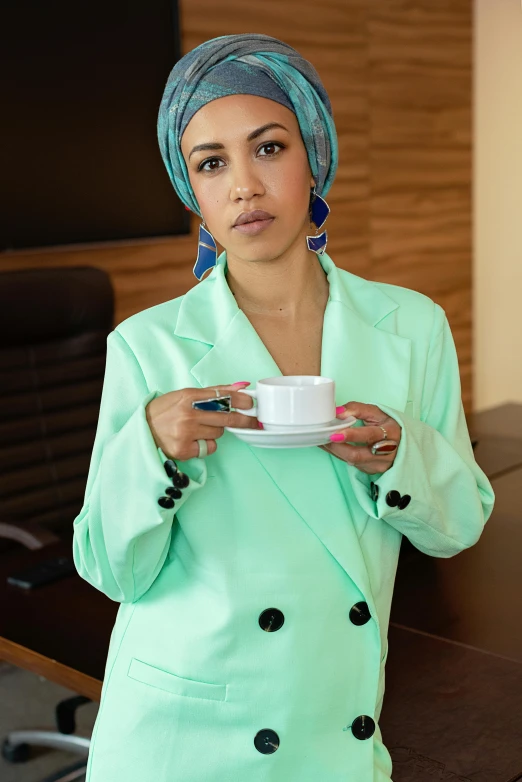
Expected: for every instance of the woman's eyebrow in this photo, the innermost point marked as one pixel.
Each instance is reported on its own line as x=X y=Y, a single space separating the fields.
x=251 y=136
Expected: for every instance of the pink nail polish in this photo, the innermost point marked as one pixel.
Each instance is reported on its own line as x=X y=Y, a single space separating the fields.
x=337 y=437
x=260 y=425
x=242 y=383
x=339 y=410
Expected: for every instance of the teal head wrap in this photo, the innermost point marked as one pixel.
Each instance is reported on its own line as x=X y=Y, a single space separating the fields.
x=251 y=64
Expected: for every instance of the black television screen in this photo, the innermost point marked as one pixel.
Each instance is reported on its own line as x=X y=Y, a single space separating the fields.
x=82 y=86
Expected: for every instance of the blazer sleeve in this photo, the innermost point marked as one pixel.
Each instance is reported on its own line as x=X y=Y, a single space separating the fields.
x=121 y=536
x=435 y=493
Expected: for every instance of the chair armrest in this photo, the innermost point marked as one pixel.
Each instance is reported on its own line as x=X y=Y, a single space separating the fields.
x=28 y=533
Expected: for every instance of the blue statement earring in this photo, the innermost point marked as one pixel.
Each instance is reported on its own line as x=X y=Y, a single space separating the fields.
x=207 y=248
x=207 y=252
x=318 y=213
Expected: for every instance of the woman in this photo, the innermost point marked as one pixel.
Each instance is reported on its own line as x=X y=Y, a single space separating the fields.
x=255 y=584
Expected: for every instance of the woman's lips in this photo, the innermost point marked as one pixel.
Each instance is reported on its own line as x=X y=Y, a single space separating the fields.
x=254 y=228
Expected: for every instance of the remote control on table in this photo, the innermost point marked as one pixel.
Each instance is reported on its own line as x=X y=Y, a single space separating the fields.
x=43 y=573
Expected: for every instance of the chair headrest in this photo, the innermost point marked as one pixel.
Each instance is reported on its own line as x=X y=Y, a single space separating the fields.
x=46 y=304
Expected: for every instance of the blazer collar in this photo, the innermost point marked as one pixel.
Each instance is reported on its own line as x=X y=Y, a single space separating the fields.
x=368 y=364
x=209 y=307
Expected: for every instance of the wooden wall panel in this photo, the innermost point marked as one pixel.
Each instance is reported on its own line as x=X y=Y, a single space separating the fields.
x=399 y=76
x=420 y=90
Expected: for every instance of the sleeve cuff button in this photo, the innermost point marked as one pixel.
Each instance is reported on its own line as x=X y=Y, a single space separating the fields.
x=404 y=501
x=166 y=502
x=171 y=467
x=180 y=480
x=374 y=491
x=393 y=498
x=173 y=492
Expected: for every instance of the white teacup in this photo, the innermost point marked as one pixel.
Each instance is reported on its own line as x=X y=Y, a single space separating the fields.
x=293 y=400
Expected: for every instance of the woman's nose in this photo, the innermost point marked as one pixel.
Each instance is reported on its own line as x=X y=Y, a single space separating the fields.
x=245 y=183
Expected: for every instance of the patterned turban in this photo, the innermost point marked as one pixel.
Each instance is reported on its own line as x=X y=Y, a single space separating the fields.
x=247 y=64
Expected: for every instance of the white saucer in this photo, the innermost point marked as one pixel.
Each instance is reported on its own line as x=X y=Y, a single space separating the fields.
x=291 y=437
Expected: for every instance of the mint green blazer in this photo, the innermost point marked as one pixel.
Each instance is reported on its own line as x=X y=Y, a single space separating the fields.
x=192 y=676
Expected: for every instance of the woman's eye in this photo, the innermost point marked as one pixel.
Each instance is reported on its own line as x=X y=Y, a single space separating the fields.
x=270 y=144
x=202 y=165
x=208 y=164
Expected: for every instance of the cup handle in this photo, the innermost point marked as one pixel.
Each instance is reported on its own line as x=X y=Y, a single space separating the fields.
x=252 y=412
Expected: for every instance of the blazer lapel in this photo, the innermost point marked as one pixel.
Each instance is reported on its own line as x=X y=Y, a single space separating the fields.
x=368 y=365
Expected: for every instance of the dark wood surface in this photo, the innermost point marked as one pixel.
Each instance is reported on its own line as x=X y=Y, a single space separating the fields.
x=474 y=598
x=450 y=712
x=499 y=435
x=61 y=630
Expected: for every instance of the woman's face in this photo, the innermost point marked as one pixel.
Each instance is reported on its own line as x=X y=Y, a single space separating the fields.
x=235 y=174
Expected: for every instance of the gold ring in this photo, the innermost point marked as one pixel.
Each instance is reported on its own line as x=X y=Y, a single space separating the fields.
x=385 y=432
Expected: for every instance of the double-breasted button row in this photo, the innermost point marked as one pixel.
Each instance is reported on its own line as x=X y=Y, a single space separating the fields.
x=179 y=480
x=395 y=500
x=272 y=619
x=267 y=741
x=363 y=727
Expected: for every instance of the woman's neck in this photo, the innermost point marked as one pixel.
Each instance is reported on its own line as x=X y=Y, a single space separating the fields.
x=289 y=287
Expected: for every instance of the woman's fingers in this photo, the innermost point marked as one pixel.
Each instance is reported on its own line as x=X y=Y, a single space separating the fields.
x=369 y=413
x=360 y=457
x=210 y=418
x=353 y=444
x=363 y=434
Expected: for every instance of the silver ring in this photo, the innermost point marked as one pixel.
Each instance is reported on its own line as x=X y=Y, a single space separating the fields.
x=218 y=393
x=203 y=449
x=385 y=432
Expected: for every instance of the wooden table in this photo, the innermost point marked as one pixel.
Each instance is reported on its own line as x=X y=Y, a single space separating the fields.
x=453 y=703
x=499 y=435
x=61 y=630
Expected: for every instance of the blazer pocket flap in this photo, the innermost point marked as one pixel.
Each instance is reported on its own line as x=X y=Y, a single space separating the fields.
x=163 y=680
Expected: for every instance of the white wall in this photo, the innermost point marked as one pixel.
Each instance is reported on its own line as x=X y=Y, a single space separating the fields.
x=497 y=272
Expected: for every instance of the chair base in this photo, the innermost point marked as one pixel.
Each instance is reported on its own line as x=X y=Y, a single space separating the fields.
x=74 y=773
x=15 y=748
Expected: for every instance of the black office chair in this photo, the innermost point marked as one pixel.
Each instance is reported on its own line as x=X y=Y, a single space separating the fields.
x=53 y=329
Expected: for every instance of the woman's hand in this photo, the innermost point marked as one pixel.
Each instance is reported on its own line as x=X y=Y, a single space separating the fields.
x=176 y=426
x=360 y=455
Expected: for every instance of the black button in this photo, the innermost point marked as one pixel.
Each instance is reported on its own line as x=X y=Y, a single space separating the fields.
x=363 y=727
x=392 y=498
x=166 y=502
x=176 y=494
x=180 y=480
x=404 y=501
x=271 y=619
x=375 y=491
x=360 y=614
x=171 y=467
x=266 y=741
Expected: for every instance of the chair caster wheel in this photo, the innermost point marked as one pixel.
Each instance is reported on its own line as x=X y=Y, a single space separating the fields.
x=15 y=753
